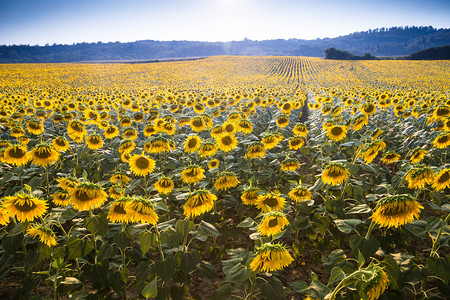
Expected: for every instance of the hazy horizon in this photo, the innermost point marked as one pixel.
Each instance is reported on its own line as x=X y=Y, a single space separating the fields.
x=28 y=22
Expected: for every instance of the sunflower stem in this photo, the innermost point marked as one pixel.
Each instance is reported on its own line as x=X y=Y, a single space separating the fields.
x=159 y=242
x=369 y=230
x=47 y=183
x=436 y=240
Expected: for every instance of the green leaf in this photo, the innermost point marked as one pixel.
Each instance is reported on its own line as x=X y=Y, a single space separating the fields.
x=336 y=258
x=418 y=228
x=161 y=206
x=189 y=261
x=78 y=248
x=67 y=215
x=247 y=223
x=223 y=292
x=206 y=270
x=368 y=247
x=170 y=237
x=97 y=224
x=183 y=227
x=434 y=224
x=440 y=266
x=299 y=286
x=317 y=290
x=392 y=269
x=273 y=289
x=143 y=271
x=207 y=229
x=348 y=225
x=150 y=290
x=12 y=243
x=147 y=240
x=336 y=275
x=165 y=268
x=122 y=240
x=360 y=209
x=124 y=274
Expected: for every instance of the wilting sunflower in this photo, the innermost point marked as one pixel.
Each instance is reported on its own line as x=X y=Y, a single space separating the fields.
x=76 y=129
x=158 y=144
x=116 y=191
x=119 y=178
x=217 y=131
x=250 y=195
x=184 y=120
x=192 y=174
x=117 y=213
x=390 y=157
x=192 y=144
x=417 y=155
x=376 y=134
x=198 y=124
x=164 y=185
x=141 y=210
x=296 y=142
x=290 y=164
x=396 y=210
x=271 y=257
x=300 y=193
x=226 y=142
x=256 y=150
x=35 y=127
x=282 y=121
x=87 y=195
x=441 y=112
x=44 y=155
x=111 y=132
x=244 y=126
x=198 y=202
x=225 y=181
x=442 y=180
x=94 y=142
x=337 y=132
x=126 y=146
x=300 y=130
x=417 y=178
x=334 y=174
x=24 y=207
x=359 y=122
x=16 y=155
x=377 y=283
x=370 y=151
x=213 y=164
x=129 y=133
x=67 y=183
x=442 y=141
x=270 y=141
x=270 y=202
x=273 y=223
x=141 y=165
x=60 y=144
x=17 y=131
x=45 y=234
x=61 y=198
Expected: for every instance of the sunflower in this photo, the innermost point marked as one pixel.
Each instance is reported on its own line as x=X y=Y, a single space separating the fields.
x=300 y=193
x=228 y=128
x=244 y=126
x=129 y=133
x=417 y=178
x=217 y=131
x=334 y=174
x=250 y=195
x=60 y=144
x=441 y=112
x=442 y=180
x=35 y=127
x=213 y=164
x=273 y=223
x=270 y=202
x=370 y=151
x=94 y=142
x=282 y=121
x=67 y=183
x=337 y=132
x=17 y=131
x=376 y=134
x=150 y=130
x=182 y=121
x=24 y=207
x=126 y=146
x=300 y=130
x=117 y=213
x=16 y=155
x=158 y=144
x=111 y=132
x=141 y=210
x=377 y=283
x=226 y=142
x=198 y=124
x=256 y=150
x=271 y=257
x=290 y=164
x=61 y=199
x=396 y=210
x=119 y=178
x=76 y=129
x=45 y=234
x=4 y=216
x=116 y=192
x=192 y=174
x=141 y=165
x=359 y=122
x=192 y=144
x=125 y=157
x=296 y=142
x=87 y=195
x=442 y=141
x=225 y=181
x=368 y=109
x=198 y=202
x=270 y=141
x=164 y=185
x=390 y=157
x=44 y=155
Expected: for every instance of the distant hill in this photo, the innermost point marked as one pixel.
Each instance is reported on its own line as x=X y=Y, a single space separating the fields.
x=442 y=53
x=394 y=41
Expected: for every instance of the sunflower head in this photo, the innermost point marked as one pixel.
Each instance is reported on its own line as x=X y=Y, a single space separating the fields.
x=118 y=213
x=225 y=181
x=94 y=142
x=192 y=174
x=199 y=202
x=44 y=233
x=334 y=174
x=250 y=195
x=16 y=155
x=271 y=257
x=141 y=210
x=213 y=164
x=87 y=195
x=270 y=202
x=273 y=223
x=60 y=144
x=164 y=185
x=44 y=155
x=226 y=142
x=141 y=165
x=300 y=193
x=442 y=179
x=256 y=150
x=396 y=210
x=192 y=144
x=290 y=164
x=24 y=207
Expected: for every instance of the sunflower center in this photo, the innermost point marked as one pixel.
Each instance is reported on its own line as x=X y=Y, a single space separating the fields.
x=94 y=140
x=444 y=177
x=197 y=123
x=271 y=201
x=43 y=153
x=199 y=201
x=443 y=139
x=192 y=143
x=60 y=142
x=142 y=163
x=34 y=126
x=273 y=222
x=282 y=120
x=17 y=153
x=111 y=130
x=443 y=111
x=27 y=206
x=119 y=209
x=229 y=128
x=227 y=140
x=295 y=142
x=83 y=196
x=336 y=131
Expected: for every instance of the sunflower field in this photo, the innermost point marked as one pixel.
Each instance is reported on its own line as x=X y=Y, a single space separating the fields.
x=225 y=178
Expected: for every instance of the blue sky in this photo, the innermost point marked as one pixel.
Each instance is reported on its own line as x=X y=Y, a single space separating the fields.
x=71 y=21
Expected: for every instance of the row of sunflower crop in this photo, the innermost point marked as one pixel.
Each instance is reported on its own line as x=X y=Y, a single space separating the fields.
x=129 y=181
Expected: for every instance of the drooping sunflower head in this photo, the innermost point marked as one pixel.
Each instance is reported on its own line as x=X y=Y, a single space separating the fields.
x=119 y=178
x=199 y=202
x=396 y=210
x=334 y=174
x=116 y=191
x=24 y=207
x=376 y=134
x=270 y=140
x=290 y=164
x=192 y=174
x=442 y=180
x=61 y=198
x=111 y=132
x=60 y=144
x=256 y=150
x=282 y=121
x=16 y=155
x=390 y=157
x=44 y=233
x=118 y=213
x=359 y=122
x=271 y=257
x=76 y=129
x=225 y=181
x=141 y=210
x=35 y=127
x=4 y=216
x=300 y=130
x=300 y=193
x=158 y=144
x=418 y=155
x=87 y=195
x=44 y=155
x=273 y=223
x=442 y=141
x=418 y=177
x=296 y=142
x=270 y=202
x=198 y=124
x=141 y=165
x=244 y=126
x=67 y=183
x=164 y=185
x=129 y=133
x=250 y=195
